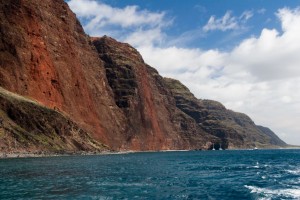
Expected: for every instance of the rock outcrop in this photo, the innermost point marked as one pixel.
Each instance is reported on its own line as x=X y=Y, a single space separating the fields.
x=78 y=93
x=236 y=130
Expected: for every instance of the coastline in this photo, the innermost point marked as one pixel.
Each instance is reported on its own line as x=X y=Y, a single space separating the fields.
x=6 y=155
x=81 y=153
x=50 y=154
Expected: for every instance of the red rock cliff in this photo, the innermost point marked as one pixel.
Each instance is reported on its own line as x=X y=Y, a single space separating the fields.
x=152 y=118
x=101 y=85
x=45 y=55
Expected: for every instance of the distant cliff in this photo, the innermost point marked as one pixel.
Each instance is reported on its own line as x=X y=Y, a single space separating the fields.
x=236 y=130
x=275 y=140
x=99 y=88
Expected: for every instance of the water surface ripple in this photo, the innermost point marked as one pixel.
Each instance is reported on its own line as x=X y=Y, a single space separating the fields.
x=257 y=174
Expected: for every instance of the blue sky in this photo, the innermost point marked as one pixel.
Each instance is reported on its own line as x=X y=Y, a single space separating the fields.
x=243 y=53
x=192 y=15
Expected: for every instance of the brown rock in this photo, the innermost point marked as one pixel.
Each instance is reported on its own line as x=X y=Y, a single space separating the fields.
x=45 y=55
x=102 y=88
x=153 y=121
x=236 y=130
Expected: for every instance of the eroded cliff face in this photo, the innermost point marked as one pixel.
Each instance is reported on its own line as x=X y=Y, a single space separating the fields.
x=82 y=92
x=153 y=120
x=236 y=130
x=46 y=55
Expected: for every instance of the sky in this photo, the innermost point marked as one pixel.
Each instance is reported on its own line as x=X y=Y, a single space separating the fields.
x=243 y=53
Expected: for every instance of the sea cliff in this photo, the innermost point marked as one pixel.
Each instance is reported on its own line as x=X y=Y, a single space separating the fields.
x=62 y=90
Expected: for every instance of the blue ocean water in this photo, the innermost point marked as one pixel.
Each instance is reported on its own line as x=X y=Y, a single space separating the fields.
x=257 y=174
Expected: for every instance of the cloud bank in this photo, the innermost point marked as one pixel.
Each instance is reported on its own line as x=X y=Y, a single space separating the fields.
x=260 y=76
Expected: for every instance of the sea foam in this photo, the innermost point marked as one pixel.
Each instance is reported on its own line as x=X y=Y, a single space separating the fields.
x=266 y=193
x=294 y=171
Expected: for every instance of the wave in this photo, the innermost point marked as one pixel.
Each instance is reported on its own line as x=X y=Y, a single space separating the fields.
x=293 y=193
x=294 y=171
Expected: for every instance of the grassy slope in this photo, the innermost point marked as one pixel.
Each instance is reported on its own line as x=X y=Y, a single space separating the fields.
x=27 y=126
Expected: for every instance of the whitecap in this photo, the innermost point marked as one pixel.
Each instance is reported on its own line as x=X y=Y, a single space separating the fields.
x=294 y=171
x=272 y=193
x=256 y=166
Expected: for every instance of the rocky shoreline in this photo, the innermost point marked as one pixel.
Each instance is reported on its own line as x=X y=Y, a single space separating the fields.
x=49 y=154
x=80 y=153
x=84 y=153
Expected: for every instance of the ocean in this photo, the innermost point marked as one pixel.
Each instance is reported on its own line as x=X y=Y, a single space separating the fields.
x=230 y=174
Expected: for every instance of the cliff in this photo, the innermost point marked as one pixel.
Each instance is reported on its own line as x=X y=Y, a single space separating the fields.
x=236 y=130
x=64 y=91
x=45 y=55
x=153 y=121
x=275 y=140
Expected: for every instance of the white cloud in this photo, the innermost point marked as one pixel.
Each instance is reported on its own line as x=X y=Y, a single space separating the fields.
x=246 y=15
x=145 y=37
x=260 y=76
x=173 y=60
x=272 y=55
x=101 y=14
x=227 y=22
x=100 y=18
x=261 y=11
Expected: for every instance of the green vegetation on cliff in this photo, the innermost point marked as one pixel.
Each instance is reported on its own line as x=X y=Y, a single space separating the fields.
x=27 y=126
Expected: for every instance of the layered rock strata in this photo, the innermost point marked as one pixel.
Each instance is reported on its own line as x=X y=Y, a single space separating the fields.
x=45 y=55
x=236 y=130
x=64 y=91
x=149 y=108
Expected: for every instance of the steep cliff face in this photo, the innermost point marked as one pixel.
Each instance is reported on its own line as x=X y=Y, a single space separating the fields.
x=46 y=55
x=85 y=92
x=27 y=126
x=275 y=140
x=236 y=130
x=153 y=121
